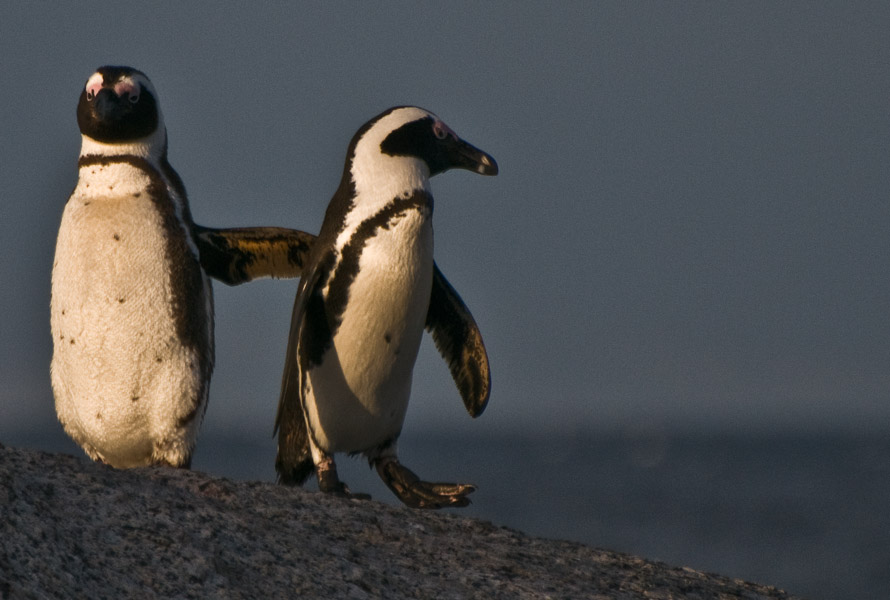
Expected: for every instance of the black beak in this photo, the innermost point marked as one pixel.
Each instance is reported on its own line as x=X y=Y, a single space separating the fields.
x=454 y=153
x=461 y=155
x=467 y=156
x=108 y=106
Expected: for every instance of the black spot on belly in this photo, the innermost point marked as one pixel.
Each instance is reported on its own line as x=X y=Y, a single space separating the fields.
x=98 y=416
x=72 y=341
x=134 y=399
x=121 y=300
x=387 y=337
x=187 y=299
x=117 y=237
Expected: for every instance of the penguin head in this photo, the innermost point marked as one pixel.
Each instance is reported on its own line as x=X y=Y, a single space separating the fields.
x=118 y=105
x=406 y=134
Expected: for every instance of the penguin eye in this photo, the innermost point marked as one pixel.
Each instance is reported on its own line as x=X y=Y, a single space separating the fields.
x=128 y=88
x=94 y=85
x=440 y=130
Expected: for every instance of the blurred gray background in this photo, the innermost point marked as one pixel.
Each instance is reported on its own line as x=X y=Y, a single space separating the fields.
x=689 y=232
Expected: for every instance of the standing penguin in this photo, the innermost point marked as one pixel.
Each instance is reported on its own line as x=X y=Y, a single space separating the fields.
x=368 y=290
x=132 y=308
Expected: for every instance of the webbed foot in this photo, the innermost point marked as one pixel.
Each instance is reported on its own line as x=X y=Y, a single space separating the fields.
x=421 y=494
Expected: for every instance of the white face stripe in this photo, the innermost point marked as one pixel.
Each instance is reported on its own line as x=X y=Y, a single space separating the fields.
x=368 y=147
x=126 y=87
x=150 y=147
x=94 y=84
x=136 y=81
x=379 y=178
x=139 y=82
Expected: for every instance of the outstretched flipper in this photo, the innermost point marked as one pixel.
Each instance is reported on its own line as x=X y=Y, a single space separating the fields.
x=421 y=494
x=242 y=254
x=458 y=340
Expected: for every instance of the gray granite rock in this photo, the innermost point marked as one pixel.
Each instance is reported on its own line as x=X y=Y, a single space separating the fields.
x=74 y=529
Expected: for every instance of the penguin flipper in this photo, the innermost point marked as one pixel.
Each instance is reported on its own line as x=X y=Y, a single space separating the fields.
x=293 y=462
x=239 y=255
x=458 y=340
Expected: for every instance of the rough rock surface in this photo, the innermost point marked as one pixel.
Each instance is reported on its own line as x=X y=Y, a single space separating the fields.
x=73 y=529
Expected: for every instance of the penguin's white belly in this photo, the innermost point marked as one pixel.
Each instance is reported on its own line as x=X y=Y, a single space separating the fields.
x=358 y=396
x=123 y=379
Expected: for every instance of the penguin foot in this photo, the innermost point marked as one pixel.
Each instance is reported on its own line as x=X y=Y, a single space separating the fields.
x=421 y=494
x=329 y=482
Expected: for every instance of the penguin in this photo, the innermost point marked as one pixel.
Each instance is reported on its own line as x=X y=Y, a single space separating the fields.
x=368 y=290
x=132 y=305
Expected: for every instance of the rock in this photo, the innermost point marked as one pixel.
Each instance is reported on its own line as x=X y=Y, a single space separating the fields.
x=75 y=529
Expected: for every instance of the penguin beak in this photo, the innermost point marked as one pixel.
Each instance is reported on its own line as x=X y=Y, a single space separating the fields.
x=108 y=106
x=462 y=155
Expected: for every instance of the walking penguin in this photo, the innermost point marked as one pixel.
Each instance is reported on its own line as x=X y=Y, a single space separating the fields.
x=369 y=289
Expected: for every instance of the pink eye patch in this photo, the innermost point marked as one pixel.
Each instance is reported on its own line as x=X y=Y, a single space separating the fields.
x=441 y=130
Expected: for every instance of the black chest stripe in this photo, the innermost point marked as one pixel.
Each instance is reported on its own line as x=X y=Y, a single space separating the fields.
x=331 y=309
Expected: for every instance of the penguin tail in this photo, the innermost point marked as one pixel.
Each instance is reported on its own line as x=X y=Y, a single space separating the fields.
x=294 y=460
x=293 y=472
